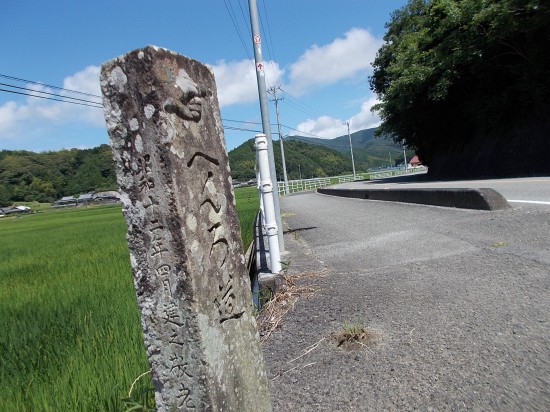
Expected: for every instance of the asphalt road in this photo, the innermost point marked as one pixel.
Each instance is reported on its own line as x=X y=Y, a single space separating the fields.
x=458 y=302
x=515 y=190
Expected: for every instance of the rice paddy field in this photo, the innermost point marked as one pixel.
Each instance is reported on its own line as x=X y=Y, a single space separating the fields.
x=70 y=334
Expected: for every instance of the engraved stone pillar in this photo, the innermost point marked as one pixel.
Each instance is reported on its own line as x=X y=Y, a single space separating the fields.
x=192 y=288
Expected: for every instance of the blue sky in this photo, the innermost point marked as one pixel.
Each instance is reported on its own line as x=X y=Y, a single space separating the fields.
x=318 y=51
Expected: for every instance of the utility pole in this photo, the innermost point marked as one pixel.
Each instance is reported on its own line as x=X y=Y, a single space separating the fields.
x=351 y=149
x=404 y=156
x=276 y=100
x=264 y=109
x=390 y=160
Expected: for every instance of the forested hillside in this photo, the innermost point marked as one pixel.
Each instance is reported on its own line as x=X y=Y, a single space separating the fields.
x=368 y=151
x=302 y=160
x=47 y=176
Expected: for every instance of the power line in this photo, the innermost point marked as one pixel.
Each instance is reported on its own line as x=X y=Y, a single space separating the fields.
x=236 y=26
x=240 y=129
x=48 y=93
x=52 y=98
x=48 y=85
x=89 y=103
x=246 y=21
x=268 y=37
x=245 y=121
x=303 y=105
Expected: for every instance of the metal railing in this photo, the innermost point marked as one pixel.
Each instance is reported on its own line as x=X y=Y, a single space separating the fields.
x=309 y=184
x=303 y=184
x=396 y=172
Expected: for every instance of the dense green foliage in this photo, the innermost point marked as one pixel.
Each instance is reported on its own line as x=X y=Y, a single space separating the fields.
x=47 y=176
x=455 y=70
x=71 y=337
x=311 y=157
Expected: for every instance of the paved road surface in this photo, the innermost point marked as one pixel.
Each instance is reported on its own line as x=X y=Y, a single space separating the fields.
x=459 y=301
x=528 y=189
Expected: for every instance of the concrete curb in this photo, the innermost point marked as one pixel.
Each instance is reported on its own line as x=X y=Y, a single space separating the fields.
x=479 y=199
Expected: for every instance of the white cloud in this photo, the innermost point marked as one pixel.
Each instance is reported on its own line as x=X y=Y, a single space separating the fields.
x=35 y=112
x=9 y=112
x=325 y=127
x=236 y=80
x=328 y=127
x=365 y=119
x=344 y=58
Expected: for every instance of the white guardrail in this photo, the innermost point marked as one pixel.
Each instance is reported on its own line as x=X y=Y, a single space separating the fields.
x=310 y=184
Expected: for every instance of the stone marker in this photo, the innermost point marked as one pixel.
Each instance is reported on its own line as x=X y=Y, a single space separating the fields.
x=192 y=287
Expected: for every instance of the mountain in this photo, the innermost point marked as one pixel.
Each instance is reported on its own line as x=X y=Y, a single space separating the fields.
x=368 y=151
x=303 y=160
x=316 y=157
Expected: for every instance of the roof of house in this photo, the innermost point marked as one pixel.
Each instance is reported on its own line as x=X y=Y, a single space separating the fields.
x=86 y=196
x=108 y=194
x=415 y=160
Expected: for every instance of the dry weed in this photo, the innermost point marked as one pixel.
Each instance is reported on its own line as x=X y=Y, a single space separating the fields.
x=273 y=312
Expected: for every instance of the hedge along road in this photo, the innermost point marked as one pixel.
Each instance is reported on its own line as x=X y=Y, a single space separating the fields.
x=459 y=300
x=515 y=190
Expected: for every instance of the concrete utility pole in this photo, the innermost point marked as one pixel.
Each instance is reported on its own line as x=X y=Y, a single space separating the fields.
x=276 y=100
x=266 y=189
x=351 y=148
x=264 y=109
x=404 y=156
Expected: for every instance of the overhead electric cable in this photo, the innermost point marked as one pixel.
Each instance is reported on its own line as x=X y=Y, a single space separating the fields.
x=240 y=129
x=48 y=85
x=245 y=20
x=270 y=54
x=52 y=98
x=270 y=37
x=236 y=26
x=245 y=121
x=48 y=93
x=298 y=102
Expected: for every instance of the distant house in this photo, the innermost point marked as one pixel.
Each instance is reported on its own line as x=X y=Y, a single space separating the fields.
x=88 y=199
x=65 y=201
x=14 y=210
x=107 y=196
x=85 y=199
x=415 y=162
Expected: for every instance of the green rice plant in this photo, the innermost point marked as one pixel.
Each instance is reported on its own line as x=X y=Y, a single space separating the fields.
x=248 y=204
x=70 y=336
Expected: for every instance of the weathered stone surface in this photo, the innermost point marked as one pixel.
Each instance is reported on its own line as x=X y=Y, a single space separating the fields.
x=192 y=286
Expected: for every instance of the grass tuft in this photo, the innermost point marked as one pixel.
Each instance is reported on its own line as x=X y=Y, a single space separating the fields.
x=354 y=335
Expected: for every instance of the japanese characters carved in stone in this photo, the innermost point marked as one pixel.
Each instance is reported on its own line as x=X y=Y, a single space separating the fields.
x=192 y=287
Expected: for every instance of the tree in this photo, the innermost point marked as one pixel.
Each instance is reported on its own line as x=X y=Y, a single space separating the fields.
x=452 y=71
